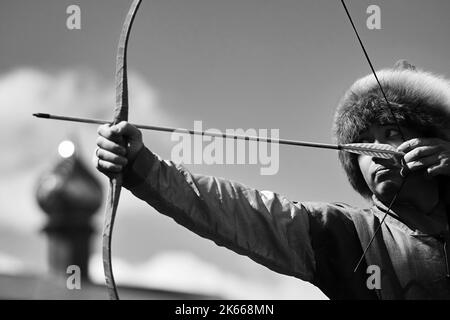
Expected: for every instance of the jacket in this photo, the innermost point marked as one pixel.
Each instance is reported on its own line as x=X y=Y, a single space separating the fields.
x=316 y=242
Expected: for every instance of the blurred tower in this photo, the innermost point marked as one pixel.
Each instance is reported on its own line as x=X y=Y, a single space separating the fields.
x=69 y=194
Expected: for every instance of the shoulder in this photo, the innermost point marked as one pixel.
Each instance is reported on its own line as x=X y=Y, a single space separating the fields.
x=326 y=213
x=335 y=217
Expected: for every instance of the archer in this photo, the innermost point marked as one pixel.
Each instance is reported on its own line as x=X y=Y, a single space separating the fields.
x=322 y=242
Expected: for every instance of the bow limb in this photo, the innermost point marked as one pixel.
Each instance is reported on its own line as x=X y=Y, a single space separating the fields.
x=120 y=114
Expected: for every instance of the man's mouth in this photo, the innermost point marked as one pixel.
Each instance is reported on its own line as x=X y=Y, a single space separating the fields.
x=381 y=170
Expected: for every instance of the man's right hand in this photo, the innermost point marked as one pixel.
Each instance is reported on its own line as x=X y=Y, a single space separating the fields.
x=112 y=155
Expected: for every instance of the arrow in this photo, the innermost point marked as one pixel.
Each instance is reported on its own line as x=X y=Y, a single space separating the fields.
x=371 y=149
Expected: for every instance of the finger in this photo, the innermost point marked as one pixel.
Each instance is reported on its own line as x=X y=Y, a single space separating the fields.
x=111 y=146
x=124 y=128
x=442 y=168
x=423 y=163
x=110 y=132
x=108 y=167
x=417 y=142
x=421 y=152
x=107 y=156
x=105 y=130
x=96 y=162
x=105 y=167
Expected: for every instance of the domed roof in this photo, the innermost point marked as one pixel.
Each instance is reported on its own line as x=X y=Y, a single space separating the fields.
x=69 y=188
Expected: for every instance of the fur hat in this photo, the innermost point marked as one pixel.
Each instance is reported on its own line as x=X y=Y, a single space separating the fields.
x=418 y=99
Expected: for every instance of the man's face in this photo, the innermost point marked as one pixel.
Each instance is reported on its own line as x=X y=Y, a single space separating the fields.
x=383 y=175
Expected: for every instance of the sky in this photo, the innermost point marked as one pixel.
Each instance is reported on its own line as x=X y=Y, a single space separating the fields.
x=260 y=64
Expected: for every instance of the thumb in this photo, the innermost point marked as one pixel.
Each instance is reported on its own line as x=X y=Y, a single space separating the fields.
x=132 y=136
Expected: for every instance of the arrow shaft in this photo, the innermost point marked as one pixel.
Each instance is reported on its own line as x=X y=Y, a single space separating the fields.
x=196 y=132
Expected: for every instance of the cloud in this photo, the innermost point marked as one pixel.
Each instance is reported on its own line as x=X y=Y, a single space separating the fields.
x=185 y=272
x=29 y=144
x=10 y=264
x=69 y=92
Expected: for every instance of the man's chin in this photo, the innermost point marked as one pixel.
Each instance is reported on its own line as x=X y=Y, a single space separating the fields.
x=387 y=189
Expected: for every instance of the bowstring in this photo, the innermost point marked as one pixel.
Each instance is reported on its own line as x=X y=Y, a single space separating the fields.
x=404 y=173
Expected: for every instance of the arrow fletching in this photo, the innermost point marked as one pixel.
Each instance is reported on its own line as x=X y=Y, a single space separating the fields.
x=384 y=151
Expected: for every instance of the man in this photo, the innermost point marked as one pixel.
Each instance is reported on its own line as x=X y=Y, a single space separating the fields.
x=323 y=242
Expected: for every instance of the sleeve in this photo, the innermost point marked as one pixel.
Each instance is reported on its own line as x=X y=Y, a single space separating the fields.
x=262 y=225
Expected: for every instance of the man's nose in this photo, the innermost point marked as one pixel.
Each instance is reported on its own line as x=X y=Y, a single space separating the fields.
x=389 y=163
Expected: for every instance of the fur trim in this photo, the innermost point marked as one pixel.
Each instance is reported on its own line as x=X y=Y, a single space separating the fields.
x=418 y=99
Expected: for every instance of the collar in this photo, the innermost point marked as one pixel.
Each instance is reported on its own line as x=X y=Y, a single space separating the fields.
x=394 y=219
x=379 y=209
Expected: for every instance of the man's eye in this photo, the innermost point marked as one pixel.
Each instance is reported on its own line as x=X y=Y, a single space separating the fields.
x=392 y=133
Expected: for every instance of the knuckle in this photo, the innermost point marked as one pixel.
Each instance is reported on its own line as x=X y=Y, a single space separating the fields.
x=419 y=152
x=123 y=160
x=118 y=150
x=99 y=153
x=98 y=141
x=109 y=166
x=115 y=159
x=100 y=128
x=409 y=157
x=413 y=164
x=103 y=129
x=117 y=128
x=116 y=168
